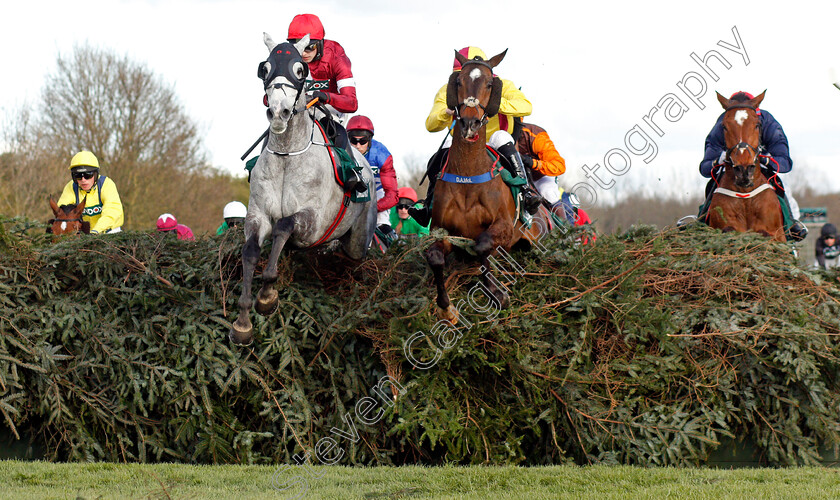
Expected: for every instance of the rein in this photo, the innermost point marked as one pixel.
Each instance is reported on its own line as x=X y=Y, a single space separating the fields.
x=311 y=134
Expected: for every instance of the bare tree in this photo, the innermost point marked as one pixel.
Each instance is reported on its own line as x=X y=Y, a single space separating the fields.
x=415 y=168
x=132 y=121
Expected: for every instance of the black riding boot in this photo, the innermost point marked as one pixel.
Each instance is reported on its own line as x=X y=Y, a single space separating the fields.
x=530 y=198
x=423 y=215
x=338 y=135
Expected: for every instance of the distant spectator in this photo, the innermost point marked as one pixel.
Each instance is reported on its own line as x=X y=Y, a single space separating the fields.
x=168 y=223
x=403 y=223
x=234 y=215
x=827 y=248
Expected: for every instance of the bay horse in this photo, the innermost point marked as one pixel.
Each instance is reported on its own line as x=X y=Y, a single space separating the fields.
x=294 y=195
x=478 y=205
x=68 y=219
x=744 y=200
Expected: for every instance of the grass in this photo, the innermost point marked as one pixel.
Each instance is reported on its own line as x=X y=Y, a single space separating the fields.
x=25 y=480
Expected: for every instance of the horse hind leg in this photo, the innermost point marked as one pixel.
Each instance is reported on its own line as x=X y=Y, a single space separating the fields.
x=357 y=241
x=436 y=257
x=267 y=298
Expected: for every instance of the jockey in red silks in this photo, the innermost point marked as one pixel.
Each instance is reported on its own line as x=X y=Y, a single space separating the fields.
x=329 y=67
x=330 y=80
x=360 y=130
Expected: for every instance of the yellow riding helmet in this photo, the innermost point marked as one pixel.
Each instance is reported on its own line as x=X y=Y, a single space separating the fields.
x=84 y=159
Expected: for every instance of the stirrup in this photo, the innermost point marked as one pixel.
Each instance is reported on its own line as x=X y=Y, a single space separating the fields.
x=686 y=221
x=531 y=201
x=355 y=183
x=798 y=231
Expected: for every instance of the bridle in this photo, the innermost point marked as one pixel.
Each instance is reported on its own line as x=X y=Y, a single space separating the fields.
x=472 y=102
x=78 y=219
x=755 y=151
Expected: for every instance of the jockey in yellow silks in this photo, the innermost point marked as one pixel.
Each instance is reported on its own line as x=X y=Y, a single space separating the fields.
x=103 y=208
x=499 y=128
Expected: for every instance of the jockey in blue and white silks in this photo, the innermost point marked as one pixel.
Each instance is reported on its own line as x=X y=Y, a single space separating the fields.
x=360 y=131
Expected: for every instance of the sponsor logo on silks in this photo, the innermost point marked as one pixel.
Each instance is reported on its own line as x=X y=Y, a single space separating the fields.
x=322 y=85
x=463 y=180
x=92 y=211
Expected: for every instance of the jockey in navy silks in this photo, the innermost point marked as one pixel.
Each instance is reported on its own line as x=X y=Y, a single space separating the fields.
x=774 y=156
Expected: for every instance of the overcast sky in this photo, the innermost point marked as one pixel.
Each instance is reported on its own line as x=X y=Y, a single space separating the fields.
x=593 y=70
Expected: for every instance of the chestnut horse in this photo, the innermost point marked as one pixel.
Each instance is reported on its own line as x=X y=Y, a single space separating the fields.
x=68 y=219
x=478 y=205
x=744 y=200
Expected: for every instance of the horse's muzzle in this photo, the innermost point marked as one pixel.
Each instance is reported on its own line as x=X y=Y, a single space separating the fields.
x=469 y=128
x=744 y=175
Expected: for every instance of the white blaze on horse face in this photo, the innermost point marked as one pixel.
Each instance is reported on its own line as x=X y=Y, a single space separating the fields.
x=740 y=116
x=475 y=74
x=64 y=226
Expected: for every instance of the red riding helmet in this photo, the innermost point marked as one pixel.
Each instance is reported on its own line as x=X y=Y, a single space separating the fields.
x=749 y=96
x=360 y=122
x=407 y=192
x=469 y=53
x=304 y=24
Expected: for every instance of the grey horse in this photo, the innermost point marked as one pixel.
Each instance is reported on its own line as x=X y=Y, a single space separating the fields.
x=294 y=195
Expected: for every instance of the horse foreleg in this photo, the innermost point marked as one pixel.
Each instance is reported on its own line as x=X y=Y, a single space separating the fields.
x=436 y=257
x=485 y=245
x=267 y=298
x=241 y=331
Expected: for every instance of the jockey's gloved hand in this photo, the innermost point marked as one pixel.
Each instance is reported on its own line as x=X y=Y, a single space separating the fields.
x=322 y=97
x=767 y=161
x=722 y=158
x=527 y=161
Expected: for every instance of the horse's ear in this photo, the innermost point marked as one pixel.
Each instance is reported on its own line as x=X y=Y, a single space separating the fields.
x=452 y=91
x=302 y=43
x=755 y=101
x=495 y=60
x=269 y=42
x=722 y=100
x=495 y=97
x=53 y=206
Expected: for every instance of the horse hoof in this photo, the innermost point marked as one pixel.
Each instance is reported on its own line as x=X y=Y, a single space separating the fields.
x=267 y=302
x=241 y=336
x=504 y=300
x=449 y=314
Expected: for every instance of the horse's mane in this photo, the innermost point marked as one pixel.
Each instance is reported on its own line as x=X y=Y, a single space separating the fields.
x=67 y=208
